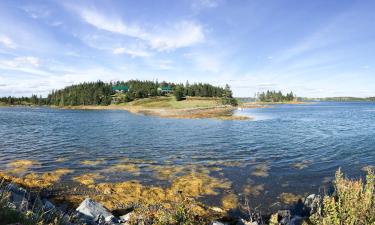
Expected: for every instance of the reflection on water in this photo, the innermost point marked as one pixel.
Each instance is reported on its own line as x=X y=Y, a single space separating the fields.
x=287 y=151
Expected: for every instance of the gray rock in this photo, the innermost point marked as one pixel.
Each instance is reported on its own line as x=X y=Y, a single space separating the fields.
x=245 y=222
x=296 y=220
x=15 y=189
x=285 y=216
x=312 y=203
x=92 y=209
x=18 y=196
x=126 y=218
x=48 y=205
x=218 y=223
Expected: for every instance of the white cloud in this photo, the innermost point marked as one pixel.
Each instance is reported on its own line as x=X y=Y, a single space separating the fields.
x=7 y=42
x=22 y=62
x=131 y=52
x=163 y=37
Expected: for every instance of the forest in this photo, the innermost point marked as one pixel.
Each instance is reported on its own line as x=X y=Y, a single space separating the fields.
x=273 y=96
x=102 y=93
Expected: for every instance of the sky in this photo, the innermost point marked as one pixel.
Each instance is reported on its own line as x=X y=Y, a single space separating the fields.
x=314 y=48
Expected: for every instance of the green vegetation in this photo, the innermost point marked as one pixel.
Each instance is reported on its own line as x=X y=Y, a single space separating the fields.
x=101 y=93
x=33 y=100
x=273 y=96
x=353 y=203
x=93 y=93
x=169 y=102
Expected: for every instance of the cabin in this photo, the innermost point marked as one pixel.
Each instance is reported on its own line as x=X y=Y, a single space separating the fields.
x=120 y=89
x=165 y=89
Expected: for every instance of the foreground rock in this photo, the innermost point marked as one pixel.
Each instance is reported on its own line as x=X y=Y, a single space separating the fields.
x=95 y=212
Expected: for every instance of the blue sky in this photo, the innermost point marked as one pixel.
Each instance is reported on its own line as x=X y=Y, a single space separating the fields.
x=314 y=48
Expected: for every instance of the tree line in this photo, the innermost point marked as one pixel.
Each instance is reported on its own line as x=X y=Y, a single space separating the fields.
x=33 y=100
x=102 y=93
x=273 y=96
x=205 y=90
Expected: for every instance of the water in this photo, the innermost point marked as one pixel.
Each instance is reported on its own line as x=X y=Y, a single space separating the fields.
x=328 y=135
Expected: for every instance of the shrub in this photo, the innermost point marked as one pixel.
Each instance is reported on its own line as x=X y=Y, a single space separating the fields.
x=229 y=101
x=179 y=93
x=352 y=203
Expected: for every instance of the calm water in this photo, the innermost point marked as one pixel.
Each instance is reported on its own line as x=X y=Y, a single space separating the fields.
x=329 y=135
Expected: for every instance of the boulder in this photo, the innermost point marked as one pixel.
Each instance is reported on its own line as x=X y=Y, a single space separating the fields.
x=285 y=217
x=218 y=223
x=18 y=196
x=312 y=203
x=126 y=218
x=296 y=220
x=245 y=222
x=93 y=210
x=47 y=205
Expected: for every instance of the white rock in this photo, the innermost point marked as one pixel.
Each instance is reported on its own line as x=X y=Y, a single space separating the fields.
x=93 y=209
x=217 y=223
x=126 y=217
x=245 y=222
x=312 y=203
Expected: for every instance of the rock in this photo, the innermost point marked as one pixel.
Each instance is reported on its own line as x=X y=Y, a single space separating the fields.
x=15 y=189
x=18 y=196
x=217 y=223
x=100 y=220
x=245 y=222
x=312 y=203
x=218 y=210
x=296 y=220
x=93 y=210
x=285 y=216
x=48 y=205
x=126 y=218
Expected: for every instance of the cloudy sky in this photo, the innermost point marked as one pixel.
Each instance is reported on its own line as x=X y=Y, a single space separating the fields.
x=315 y=48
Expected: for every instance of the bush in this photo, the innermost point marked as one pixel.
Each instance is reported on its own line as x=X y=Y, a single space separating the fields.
x=179 y=93
x=229 y=101
x=353 y=203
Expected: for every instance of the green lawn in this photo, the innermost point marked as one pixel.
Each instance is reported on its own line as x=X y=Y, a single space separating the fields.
x=171 y=103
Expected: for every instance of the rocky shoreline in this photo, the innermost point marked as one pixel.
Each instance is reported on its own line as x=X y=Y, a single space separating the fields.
x=93 y=213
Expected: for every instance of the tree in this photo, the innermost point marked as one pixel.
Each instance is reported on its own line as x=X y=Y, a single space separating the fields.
x=179 y=93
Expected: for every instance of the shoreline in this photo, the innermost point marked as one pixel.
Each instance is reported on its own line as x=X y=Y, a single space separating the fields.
x=221 y=113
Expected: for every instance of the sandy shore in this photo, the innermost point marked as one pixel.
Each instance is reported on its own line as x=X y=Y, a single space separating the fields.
x=218 y=112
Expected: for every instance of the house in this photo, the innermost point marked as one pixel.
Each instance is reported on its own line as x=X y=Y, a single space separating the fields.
x=165 y=89
x=120 y=88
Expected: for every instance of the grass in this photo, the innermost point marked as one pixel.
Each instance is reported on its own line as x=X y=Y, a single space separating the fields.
x=171 y=103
